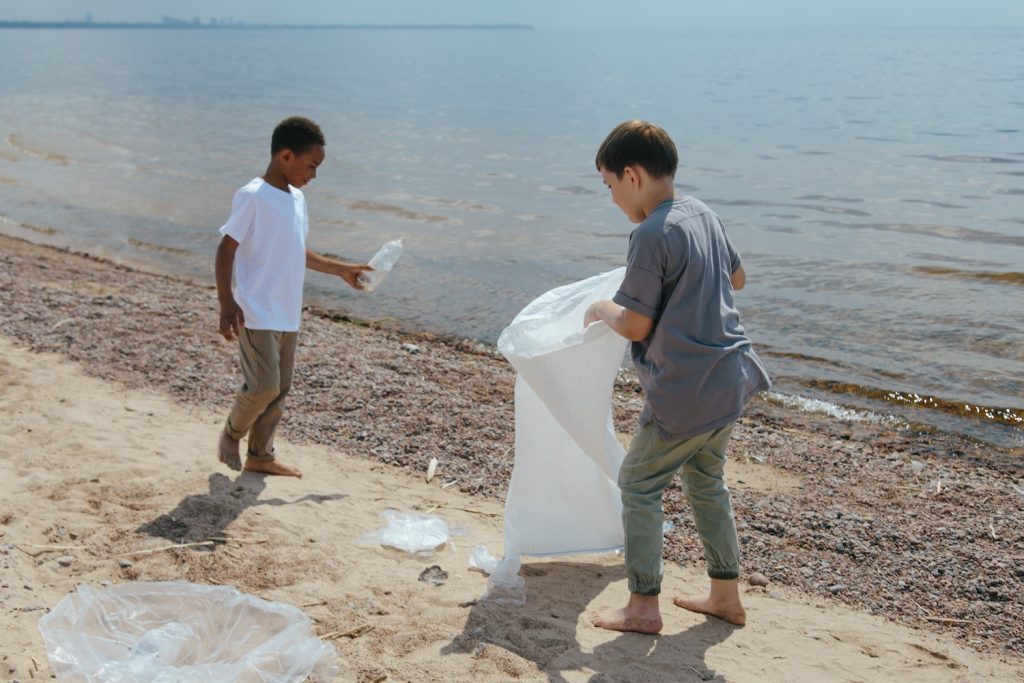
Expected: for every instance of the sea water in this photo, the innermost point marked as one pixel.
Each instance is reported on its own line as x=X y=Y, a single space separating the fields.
x=873 y=181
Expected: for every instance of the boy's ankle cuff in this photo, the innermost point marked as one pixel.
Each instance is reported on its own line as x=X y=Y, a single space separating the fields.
x=723 y=574
x=265 y=457
x=237 y=436
x=644 y=587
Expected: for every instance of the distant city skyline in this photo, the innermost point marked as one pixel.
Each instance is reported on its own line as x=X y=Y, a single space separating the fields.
x=552 y=14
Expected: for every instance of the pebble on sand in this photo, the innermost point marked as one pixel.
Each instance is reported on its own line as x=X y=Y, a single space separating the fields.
x=757 y=579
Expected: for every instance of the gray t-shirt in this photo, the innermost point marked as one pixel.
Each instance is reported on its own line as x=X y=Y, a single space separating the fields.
x=697 y=366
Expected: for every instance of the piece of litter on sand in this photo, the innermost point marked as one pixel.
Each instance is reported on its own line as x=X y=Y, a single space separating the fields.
x=411 y=532
x=431 y=469
x=160 y=626
x=482 y=559
x=434 y=575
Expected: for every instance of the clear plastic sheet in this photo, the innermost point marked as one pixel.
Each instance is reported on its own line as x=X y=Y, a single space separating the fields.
x=504 y=585
x=170 y=632
x=411 y=532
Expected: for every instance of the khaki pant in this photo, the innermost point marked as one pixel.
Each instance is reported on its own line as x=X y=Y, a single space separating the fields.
x=268 y=359
x=648 y=468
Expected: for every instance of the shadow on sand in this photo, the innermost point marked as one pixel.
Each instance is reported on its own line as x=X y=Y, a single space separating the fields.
x=200 y=517
x=544 y=631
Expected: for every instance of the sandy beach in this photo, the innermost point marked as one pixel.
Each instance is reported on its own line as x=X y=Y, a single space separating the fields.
x=889 y=553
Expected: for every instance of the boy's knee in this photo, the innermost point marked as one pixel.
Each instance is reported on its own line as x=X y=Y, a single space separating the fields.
x=626 y=481
x=643 y=490
x=263 y=393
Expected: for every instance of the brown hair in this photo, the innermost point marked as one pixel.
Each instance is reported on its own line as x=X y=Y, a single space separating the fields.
x=297 y=134
x=638 y=143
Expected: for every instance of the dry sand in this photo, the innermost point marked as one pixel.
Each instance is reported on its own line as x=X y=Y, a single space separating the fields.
x=89 y=464
x=102 y=467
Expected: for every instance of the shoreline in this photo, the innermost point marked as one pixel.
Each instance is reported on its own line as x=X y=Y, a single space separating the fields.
x=924 y=529
x=989 y=423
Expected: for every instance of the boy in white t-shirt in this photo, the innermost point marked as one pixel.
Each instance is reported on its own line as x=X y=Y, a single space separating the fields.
x=264 y=247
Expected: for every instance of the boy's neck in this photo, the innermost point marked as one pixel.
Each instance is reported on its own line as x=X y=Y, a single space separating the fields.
x=657 y=192
x=273 y=176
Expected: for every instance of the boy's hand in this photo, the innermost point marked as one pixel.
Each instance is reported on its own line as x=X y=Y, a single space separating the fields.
x=231 y=320
x=350 y=274
x=591 y=316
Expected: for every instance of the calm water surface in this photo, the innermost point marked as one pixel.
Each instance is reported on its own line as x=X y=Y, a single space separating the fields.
x=874 y=182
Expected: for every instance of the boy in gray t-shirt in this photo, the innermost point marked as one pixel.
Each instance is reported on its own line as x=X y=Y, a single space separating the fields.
x=694 y=362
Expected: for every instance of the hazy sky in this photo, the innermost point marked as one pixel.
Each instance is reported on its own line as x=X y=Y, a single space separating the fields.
x=548 y=13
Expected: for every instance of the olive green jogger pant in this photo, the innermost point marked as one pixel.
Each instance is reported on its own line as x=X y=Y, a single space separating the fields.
x=647 y=470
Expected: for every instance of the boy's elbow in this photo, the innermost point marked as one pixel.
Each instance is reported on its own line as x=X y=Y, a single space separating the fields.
x=738 y=279
x=228 y=245
x=639 y=331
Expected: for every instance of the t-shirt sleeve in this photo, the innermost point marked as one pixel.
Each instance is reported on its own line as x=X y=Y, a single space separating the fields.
x=243 y=214
x=641 y=287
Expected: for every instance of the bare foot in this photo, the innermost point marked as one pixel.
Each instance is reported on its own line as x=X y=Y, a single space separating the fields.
x=227 y=451
x=731 y=612
x=640 y=615
x=271 y=467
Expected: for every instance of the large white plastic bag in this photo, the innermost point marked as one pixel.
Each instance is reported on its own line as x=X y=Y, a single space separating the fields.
x=563 y=497
x=174 y=631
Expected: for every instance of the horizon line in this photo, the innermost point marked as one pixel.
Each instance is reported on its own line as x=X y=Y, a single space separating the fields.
x=182 y=24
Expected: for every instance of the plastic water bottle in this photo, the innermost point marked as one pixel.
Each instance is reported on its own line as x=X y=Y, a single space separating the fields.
x=382 y=262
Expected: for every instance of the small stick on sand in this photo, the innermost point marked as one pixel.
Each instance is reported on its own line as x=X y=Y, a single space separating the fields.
x=451 y=483
x=992 y=531
x=167 y=547
x=224 y=539
x=944 y=620
x=703 y=677
x=316 y=604
x=48 y=548
x=475 y=512
x=351 y=633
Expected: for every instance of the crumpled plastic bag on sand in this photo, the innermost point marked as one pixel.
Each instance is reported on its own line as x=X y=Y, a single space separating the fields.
x=173 y=631
x=504 y=585
x=411 y=532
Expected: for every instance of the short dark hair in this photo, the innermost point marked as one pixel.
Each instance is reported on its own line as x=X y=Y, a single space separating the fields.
x=297 y=134
x=638 y=143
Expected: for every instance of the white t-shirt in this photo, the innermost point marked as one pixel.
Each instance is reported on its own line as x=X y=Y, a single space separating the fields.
x=270 y=226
